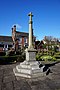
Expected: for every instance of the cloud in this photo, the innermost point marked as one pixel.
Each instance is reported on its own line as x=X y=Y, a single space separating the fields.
x=17 y=26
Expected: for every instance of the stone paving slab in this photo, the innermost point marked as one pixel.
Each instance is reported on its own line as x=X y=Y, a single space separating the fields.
x=8 y=81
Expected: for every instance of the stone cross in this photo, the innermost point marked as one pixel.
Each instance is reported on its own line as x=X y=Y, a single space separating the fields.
x=30 y=67
x=30 y=31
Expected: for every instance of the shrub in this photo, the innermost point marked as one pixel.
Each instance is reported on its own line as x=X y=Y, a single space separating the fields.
x=38 y=56
x=20 y=58
x=45 y=58
x=7 y=59
x=57 y=56
x=48 y=58
x=10 y=53
x=10 y=59
x=57 y=53
x=2 y=53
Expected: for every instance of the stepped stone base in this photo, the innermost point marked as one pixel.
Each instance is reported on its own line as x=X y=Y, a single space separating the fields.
x=30 y=67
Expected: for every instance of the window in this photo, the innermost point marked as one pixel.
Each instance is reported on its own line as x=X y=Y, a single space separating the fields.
x=20 y=40
x=25 y=39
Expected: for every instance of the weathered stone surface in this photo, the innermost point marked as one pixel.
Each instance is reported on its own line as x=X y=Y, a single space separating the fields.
x=30 y=56
x=8 y=81
x=0 y=86
x=9 y=78
x=7 y=86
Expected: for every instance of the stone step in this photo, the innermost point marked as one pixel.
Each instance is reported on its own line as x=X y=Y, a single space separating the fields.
x=32 y=62
x=29 y=66
x=26 y=75
x=29 y=70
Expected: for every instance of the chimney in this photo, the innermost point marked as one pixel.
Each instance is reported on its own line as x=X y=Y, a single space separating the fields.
x=14 y=28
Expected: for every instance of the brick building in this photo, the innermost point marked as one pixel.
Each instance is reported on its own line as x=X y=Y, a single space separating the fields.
x=18 y=38
x=22 y=37
x=5 y=42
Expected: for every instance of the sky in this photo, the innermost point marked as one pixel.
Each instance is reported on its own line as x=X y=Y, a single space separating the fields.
x=46 y=19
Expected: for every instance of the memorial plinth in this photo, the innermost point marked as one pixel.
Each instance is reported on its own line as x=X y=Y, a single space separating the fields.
x=30 y=67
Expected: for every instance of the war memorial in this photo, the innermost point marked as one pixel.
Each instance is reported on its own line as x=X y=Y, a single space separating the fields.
x=28 y=75
x=30 y=67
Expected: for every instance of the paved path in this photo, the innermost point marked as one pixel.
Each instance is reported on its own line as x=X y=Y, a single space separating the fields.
x=8 y=81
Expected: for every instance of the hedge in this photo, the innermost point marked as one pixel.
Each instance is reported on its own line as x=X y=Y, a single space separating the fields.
x=10 y=59
x=2 y=53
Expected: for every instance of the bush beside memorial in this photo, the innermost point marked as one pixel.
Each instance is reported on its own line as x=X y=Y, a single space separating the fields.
x=45 y=57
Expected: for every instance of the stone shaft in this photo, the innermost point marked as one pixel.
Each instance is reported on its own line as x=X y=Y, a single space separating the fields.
x=30 y=31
